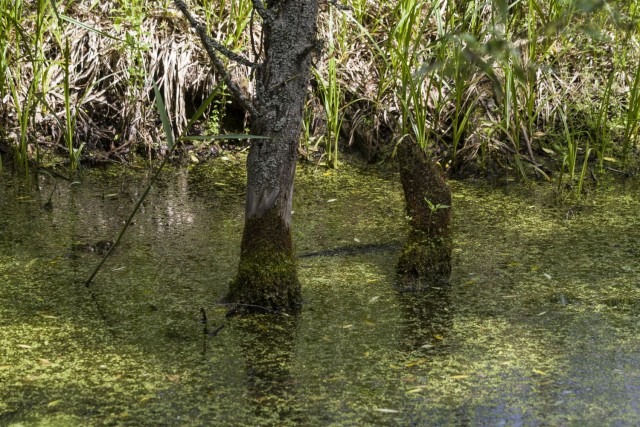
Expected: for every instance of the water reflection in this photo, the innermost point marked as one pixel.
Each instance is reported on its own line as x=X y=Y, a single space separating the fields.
x=267 y=343
x=428 y=319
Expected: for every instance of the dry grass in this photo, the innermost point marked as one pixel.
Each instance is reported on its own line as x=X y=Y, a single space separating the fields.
x=542 y=56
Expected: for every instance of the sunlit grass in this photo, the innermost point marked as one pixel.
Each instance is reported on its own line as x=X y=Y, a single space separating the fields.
x=441 y=73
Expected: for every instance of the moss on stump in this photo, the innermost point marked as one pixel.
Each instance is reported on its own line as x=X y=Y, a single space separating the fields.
x=426 y=256
x=267 y=277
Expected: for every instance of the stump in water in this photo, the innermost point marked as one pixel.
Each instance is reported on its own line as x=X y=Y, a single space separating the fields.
x=426 y=256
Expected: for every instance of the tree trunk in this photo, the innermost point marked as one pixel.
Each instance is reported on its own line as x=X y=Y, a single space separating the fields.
x=267 y=274
x=426 y=255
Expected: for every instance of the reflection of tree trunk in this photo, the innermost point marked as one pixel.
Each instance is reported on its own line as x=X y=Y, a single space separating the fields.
x=428 y=320
x=427 y=253
x=267 y=271
x=267 y=345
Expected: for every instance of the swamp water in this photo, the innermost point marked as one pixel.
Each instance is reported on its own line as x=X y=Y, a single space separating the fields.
x=539 y=327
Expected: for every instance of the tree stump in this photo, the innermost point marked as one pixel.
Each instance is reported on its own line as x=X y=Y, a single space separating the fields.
x=426 y=257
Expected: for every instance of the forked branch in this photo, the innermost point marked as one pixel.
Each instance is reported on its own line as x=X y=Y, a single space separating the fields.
x=211 y=46
x=266 y=15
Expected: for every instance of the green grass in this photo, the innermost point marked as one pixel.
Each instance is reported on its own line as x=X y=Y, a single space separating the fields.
x=471 y=81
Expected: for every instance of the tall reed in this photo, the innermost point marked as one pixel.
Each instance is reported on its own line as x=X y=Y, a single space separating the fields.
x=331 y=96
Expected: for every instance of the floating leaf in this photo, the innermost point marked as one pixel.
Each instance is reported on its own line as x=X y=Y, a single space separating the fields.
x=386 y=410
x=173 y=378
x=144 y=399
x=416 y=362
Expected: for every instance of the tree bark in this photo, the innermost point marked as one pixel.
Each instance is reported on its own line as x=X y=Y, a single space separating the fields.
x=267 y=274
x=426 y=257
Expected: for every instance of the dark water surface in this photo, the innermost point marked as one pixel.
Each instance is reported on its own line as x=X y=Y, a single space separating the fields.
x=539 y=327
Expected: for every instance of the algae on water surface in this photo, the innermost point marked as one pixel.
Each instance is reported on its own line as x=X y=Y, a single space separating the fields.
x=538 y=326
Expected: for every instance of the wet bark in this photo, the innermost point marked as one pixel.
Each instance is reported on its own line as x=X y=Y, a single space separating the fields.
x=267 y=272
x=426 y=257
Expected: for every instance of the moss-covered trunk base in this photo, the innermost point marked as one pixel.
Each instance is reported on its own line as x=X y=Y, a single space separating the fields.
x=265 y=283
x=267 y=279
x=426 y=257
x=424 y=261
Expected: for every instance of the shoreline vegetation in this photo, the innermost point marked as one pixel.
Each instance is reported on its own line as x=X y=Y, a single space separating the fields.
x=547 y=90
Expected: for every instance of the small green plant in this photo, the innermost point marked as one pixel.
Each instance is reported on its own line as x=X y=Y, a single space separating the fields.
x=434 y=208
x=602 y=132
x=570 y=159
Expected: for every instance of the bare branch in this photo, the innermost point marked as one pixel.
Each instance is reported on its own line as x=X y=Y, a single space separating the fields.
x=217 y=63
x=258 y=6
x=208 y=41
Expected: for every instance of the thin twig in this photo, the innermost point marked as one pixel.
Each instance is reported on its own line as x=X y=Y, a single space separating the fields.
x=625 y=174
x=266 y=16
x=128 y=221
x=202 y=32
x=256 y=52
x=217 y=63
x=235 y=305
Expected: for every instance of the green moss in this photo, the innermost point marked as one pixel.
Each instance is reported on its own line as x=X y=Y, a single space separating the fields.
x=425 y=259
x=267 y=277
x=266 y=280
